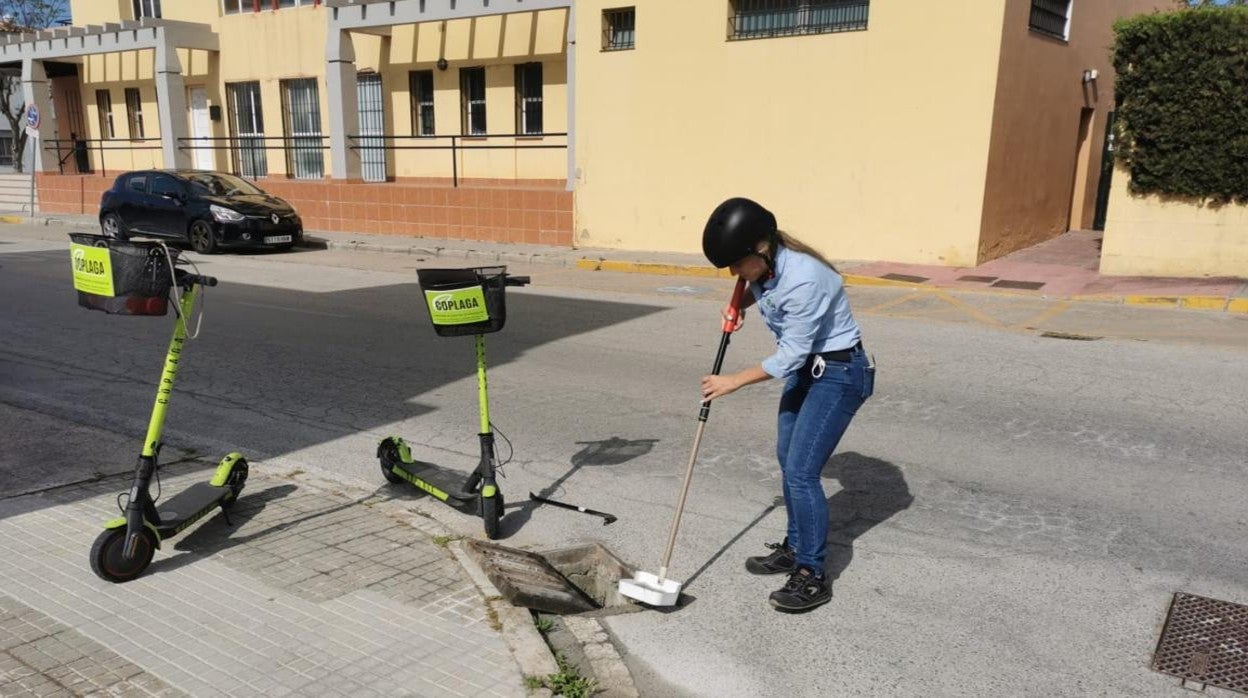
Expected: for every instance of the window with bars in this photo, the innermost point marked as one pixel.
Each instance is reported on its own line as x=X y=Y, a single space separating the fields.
x=104 y=105
x=619 y=31
x=753 y=19
x=233 y=7
x=472 y=101
x=529 y=98
x=1051 y=18
x=420 y=86
x=247 y=129
x=301 y=114
x=146 y=8
x=134 y=112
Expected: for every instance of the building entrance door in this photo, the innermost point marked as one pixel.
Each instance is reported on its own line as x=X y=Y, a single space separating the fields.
x=201 y=129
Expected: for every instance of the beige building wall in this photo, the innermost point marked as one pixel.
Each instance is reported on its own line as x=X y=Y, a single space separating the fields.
x=1148 y=235
x=1048 y=127
x=496 y=43
x=867 y=144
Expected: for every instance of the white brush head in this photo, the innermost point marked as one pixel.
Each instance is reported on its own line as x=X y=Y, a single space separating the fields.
x=649 y=589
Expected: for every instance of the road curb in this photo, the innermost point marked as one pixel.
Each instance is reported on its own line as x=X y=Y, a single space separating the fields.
x=530 y=649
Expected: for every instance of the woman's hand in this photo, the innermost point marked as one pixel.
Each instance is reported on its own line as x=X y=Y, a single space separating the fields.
x=714 y=386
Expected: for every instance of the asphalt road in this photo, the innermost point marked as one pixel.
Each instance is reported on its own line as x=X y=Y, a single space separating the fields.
x=1010 y=512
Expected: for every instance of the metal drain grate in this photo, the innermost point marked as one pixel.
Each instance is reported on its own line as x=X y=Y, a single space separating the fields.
x=978 y=279
x=1023 y=285
x=1205 y=641
x=905 y=277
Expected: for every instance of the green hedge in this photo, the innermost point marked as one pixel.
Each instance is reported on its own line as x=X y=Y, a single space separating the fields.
x=1182 y=91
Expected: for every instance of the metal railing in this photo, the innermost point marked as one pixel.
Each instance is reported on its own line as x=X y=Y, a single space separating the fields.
x=65 y=148
x=242 y=150
x=457 y=145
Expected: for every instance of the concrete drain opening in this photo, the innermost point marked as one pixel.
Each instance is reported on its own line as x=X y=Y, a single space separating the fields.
x=580 y=580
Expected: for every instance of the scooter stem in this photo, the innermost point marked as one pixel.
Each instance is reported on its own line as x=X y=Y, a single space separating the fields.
x=156 y=423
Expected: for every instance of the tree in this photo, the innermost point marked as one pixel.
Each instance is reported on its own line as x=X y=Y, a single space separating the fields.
x=18 y=16
x=32 y=14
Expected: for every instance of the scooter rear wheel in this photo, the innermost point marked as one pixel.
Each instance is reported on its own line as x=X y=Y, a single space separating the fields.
x=110 y=564
x=492 y=514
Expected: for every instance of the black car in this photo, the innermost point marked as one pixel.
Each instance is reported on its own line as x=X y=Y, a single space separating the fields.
x=209 y=210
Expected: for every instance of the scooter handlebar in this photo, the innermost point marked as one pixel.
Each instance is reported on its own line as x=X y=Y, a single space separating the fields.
x=189 y=279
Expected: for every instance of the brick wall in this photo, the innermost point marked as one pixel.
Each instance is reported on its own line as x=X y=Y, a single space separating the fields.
x=532 y=212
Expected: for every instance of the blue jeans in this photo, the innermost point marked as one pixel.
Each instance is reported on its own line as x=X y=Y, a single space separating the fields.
x=814 y=413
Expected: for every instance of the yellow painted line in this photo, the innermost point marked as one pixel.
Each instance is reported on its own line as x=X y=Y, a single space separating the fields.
x=12 y=219
x=1047 y=314
x=856 y=280
x=1097 y=298
x=1204 y=302
x=900 y=300
x=1152 y=301
x=973 y=312
x=1237 y=305
x=651 y=268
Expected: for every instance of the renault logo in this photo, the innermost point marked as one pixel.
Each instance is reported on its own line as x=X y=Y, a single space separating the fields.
x=275 y=218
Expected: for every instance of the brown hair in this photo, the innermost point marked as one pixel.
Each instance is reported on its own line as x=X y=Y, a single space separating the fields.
x=798 y=246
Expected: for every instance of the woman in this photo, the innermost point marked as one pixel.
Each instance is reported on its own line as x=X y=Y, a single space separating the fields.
x=827 y=377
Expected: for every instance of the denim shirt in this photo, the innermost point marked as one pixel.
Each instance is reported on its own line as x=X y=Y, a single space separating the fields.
x=805 y=307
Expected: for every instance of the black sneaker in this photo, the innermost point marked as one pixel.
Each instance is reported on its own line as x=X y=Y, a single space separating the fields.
x=804 y=591
x=781 y=559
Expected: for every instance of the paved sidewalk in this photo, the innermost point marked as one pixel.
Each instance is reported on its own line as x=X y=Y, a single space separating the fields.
x=1065 y=267
x=317 y=588
x=325 y=593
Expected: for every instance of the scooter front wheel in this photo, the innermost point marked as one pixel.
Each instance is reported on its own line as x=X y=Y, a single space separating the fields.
x=236 y=481
x=108 y=560
x=492 y=513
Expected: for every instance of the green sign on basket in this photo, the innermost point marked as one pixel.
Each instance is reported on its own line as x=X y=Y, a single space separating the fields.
x=93 y=269
x=459 y=307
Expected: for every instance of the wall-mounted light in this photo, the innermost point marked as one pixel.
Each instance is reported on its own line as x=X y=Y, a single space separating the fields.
x=1090 y=75
x=441 y=64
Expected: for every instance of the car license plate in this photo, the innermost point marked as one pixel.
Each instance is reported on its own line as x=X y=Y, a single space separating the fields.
x=274 y=239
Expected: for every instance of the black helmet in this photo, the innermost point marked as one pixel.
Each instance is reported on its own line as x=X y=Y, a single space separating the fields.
x=734 y=229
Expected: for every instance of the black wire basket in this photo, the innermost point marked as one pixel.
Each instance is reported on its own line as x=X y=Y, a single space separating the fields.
x=464 y=302
x=122 y=277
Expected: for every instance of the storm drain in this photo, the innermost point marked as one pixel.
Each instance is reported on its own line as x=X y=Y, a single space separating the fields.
x=581 y=579
x=905 y=277
x=1023 y=285
x=1205 y=641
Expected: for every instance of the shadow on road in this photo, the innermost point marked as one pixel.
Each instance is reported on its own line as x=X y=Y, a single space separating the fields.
x=871 y=491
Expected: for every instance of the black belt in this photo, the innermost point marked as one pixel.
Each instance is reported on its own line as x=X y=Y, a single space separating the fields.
x=841 y=355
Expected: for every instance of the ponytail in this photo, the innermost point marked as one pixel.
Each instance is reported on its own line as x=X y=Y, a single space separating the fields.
x=796 y=245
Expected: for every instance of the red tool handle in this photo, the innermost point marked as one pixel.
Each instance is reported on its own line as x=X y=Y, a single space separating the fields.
x=734 y=306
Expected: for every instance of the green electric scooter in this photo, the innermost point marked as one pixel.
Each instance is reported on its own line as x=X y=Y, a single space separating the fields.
x=460 y=302
x=135 y=278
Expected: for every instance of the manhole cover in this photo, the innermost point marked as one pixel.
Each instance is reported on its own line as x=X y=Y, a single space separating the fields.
x=1205 y=641
x=566 y=581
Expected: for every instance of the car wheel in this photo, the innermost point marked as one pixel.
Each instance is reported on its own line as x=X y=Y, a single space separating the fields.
x=202 y=239
x=110 y=225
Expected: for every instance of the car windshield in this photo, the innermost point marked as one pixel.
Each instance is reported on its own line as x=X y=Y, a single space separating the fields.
x=221 y=184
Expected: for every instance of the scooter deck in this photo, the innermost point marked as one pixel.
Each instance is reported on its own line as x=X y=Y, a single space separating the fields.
x=189 y=505
x=444 y=480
